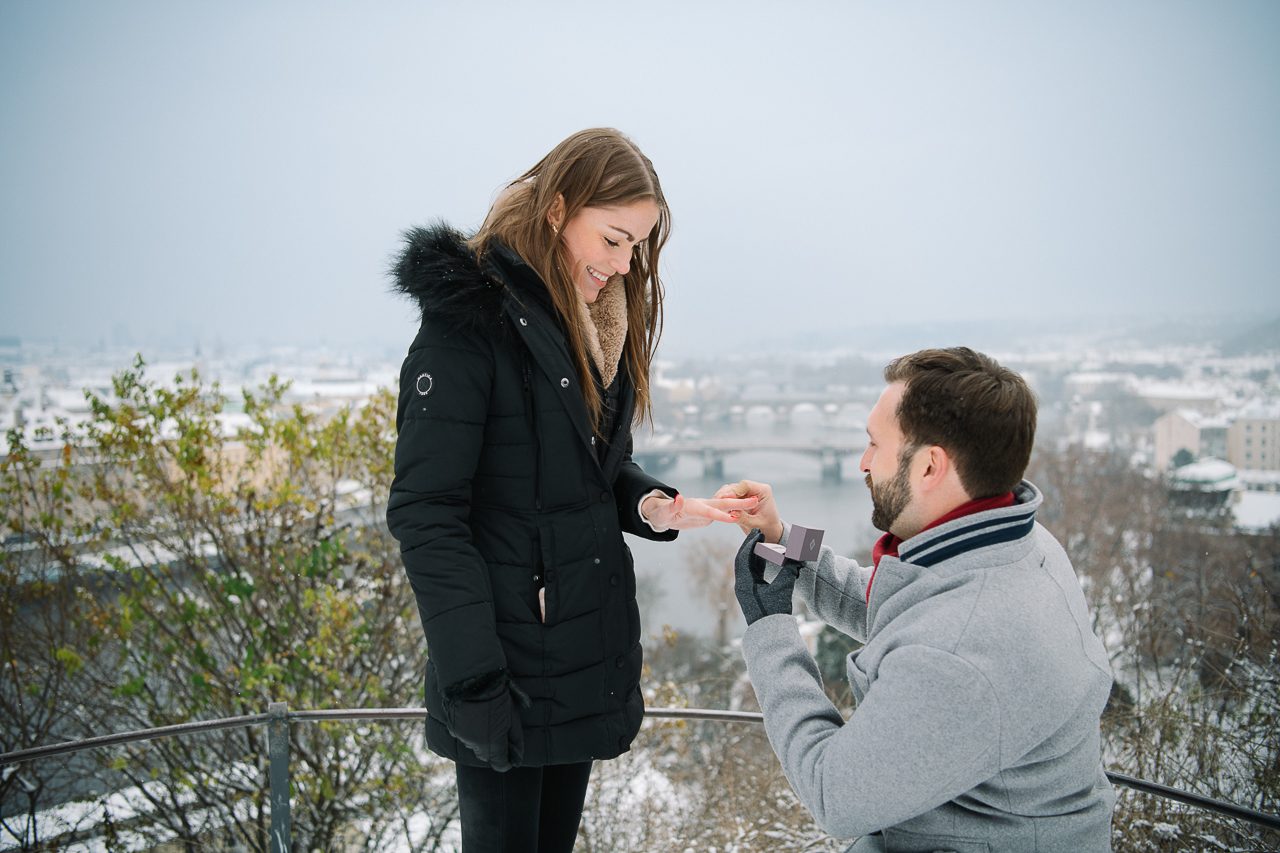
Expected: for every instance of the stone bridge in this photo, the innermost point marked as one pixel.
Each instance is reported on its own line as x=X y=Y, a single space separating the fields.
x=713 y=453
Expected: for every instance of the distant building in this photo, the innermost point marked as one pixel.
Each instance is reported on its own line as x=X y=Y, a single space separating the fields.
x=1260 y=481
x=1204 y=487
x=1253 y=439
x=1171 y=396
x=1198 y=434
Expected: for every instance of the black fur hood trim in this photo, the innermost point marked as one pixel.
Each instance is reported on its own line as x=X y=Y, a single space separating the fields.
x=440 y=274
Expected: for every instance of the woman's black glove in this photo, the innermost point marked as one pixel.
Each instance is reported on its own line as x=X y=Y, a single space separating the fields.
x=482 y=713
x=757 y=598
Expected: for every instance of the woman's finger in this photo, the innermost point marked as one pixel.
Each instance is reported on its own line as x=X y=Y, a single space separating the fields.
x=707 y=509
x=743 y=504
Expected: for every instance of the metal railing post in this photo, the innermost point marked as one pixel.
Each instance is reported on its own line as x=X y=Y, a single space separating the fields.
x=278 y=749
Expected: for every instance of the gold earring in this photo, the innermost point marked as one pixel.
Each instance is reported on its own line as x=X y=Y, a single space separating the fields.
x=555 y=230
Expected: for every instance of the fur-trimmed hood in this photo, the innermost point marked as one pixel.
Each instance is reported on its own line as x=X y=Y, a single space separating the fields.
x=439 y=272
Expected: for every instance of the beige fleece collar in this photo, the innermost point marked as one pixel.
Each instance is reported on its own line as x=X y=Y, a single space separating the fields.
x=606 y=325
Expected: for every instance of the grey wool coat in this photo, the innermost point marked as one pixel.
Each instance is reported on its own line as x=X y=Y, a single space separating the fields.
x=978 y=694
x=502 y=489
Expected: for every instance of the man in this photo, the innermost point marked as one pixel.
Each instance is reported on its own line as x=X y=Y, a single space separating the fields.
x=980 y=682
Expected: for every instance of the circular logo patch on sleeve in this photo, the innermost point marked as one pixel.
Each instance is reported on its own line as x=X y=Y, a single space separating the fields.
x=424 y=384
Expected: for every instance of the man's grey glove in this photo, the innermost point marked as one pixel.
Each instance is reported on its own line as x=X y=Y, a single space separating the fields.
x=482 y=713
x=757 y=598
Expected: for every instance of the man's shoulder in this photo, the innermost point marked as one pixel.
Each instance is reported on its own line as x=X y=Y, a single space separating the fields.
x=1048 y=543
x=1034 y=607
x=1013 y=579
x=990 y=593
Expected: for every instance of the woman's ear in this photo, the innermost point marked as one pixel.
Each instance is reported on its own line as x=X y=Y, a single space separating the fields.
x=555 y=215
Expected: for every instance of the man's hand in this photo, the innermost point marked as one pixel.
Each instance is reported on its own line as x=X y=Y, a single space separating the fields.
x=757 y=598
x=764 y=517
x=681 y=513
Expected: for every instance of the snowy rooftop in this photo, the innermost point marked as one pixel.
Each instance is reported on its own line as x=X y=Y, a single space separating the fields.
x=1207 y=472
x=1261 y=410
x=1259 y=477
x=1097 y=377
x=1179 y=391
x=1200 y=420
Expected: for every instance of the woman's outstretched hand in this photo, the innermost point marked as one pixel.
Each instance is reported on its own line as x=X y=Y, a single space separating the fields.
x=681 y=513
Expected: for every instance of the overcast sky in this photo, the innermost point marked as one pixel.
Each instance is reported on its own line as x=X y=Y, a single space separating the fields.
x=241 y=171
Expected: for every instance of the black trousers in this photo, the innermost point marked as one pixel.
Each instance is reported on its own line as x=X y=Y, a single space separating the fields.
x=525 y=810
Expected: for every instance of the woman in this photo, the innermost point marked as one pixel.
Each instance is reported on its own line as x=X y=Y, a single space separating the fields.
x=514 y=482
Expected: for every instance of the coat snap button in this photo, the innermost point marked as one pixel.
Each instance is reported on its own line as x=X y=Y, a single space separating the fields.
x=604 y=497
x=596 y=561
x=537 y=577
x=524 y=322
x=564 y=382
x=593 y=441
x=613 y=581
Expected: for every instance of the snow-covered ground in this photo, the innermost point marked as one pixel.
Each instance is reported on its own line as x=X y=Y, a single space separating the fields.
x=1256 y=511
x=118 y=810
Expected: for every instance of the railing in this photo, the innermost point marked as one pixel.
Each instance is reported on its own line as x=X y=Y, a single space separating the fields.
x=278 y=718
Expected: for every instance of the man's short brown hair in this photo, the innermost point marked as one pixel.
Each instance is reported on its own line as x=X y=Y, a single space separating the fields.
x=982 y=414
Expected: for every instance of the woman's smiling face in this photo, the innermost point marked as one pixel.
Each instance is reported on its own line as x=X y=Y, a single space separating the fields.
x=600 y=242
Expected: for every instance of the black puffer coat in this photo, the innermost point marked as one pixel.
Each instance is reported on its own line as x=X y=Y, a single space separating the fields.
x=499 y=489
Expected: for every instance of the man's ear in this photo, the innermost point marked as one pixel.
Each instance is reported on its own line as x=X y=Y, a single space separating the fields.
x=937 y=467
x=555 y=215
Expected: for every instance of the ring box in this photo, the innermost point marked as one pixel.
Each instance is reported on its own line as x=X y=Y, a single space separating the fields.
x=802 y=546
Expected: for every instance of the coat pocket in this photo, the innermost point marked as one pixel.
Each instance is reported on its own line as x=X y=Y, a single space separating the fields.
x=544 y=577
x=536 y=596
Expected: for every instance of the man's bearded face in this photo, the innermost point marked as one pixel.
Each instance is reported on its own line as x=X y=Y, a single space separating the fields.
x=889 y=499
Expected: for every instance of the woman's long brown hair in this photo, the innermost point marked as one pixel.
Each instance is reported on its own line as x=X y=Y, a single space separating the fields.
x=592 y=168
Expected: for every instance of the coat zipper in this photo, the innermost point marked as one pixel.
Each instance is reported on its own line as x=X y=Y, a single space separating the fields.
x=531 y=416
